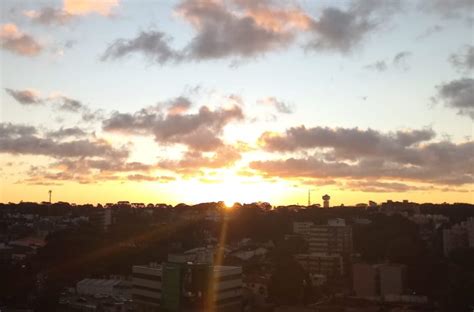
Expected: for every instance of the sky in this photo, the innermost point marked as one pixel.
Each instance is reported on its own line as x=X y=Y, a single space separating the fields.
x=237 y=101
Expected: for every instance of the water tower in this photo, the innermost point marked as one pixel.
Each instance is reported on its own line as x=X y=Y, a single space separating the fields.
x=326 y=199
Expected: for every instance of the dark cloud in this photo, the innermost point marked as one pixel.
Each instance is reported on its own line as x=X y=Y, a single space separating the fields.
x=15 y=139
x=221 y=32
x=459 y=95
x=347 y=143
x=442 y=163
x=326 y=153
x=25 y=97
x=49 y=16
x=199 y=131
x=15 y=41
x=341 y=30
x=153 y=44
x=464 y=60
x=67 y=132
x=69 y=105
x=240 y=29
x=382 y=187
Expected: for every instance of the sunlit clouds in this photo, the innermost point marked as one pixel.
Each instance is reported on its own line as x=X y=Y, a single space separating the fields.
x=237 y=100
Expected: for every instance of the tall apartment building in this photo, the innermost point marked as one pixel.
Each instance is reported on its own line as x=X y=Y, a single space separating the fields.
x=321 y=263
x=330 y=239
x=187 y=287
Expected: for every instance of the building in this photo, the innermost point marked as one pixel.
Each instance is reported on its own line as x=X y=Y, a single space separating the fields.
x=326 y=199
x=392 y=279
x=302 y=228
x=365 y=280
x=93 y=287
x=455 y=237
x=470 y=232
x=146 y=283
x=321 y=263
x=330 y=239
x=102 y=218
x=187 y=286
x=378 y=281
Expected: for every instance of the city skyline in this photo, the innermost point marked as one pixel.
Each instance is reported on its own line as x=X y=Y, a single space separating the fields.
x=237 y=101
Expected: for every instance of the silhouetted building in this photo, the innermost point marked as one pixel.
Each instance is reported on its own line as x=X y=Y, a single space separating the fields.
x=365 y=280
x=380 y=280
x=326 y=199
x=321 y=263
x=455 y=237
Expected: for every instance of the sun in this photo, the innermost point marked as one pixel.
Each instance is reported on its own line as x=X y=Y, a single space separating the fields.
x=228 y=204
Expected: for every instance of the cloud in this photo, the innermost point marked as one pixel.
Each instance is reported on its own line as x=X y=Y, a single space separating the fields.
x=342 y=30
x=464 y=60
x=331 y=153
x=25 y=97
x=49 y=16
x=15 y=41
x=442 y=163
x=382 y=187
x=347 y=143
x=379 y=66
x=243 y=30
x=149 y=178
x=19 y=139
x=179 y=105
x=153 y=44
x=458 y=94
x=430 y=31
x=199 y=131
x=192 y=161
x=57 y=101
x=448 y=9
x=280 y=106
x=67 y=132
x=339 y=30
x=67 y=104
x=82 y=7
x=400 y=58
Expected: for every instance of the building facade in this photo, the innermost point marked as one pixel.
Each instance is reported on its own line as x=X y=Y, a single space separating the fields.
x=321 y=263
